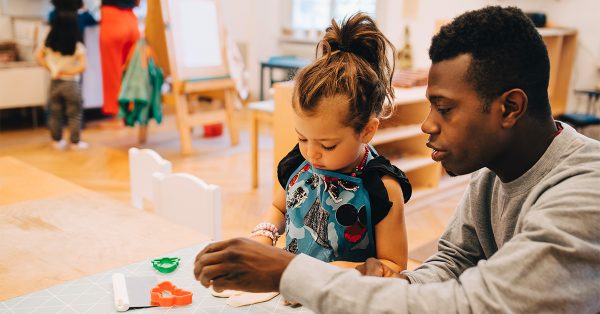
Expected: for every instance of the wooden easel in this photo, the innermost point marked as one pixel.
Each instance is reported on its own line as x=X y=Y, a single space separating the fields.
x=183 y=89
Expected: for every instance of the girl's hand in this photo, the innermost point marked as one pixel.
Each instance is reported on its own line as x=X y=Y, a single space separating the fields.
x=344 y=264
x=262 y=239
x=374 y=267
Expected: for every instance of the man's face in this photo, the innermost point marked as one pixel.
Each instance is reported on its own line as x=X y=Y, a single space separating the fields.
x=463 y=137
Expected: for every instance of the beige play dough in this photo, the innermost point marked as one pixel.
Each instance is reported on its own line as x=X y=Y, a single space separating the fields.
x=247 y=298
x=224 y=293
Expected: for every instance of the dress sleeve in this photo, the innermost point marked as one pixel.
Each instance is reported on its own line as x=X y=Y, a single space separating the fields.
x=88 y=19
x=372 y=174
x=288 y=165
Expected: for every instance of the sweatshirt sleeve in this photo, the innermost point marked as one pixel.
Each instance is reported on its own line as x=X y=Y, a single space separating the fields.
x=324 y=288
x=458 y=249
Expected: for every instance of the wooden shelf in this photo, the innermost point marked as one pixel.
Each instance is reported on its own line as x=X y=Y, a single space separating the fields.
x=391 y=134
x=411 y=163
x=409 y=96
x=556 y=31
x=422 y=171
x=561 y=44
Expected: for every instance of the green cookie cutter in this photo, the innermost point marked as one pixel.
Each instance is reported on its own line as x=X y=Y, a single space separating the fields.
x=166 y=265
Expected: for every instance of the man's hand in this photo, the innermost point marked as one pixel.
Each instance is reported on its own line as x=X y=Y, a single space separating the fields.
x=262 y=239
x=241 y=264
x=374 y=267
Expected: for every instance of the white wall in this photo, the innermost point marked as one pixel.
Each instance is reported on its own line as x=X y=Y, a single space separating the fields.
x=581 y=15
x=257 y=23
x=5 y=28
x=28 y=8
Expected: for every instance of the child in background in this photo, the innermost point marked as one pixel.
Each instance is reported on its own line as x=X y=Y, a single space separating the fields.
x=63 y=54
x=340 y=201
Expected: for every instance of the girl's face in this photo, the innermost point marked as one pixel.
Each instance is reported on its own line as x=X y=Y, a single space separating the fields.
x=325 y=142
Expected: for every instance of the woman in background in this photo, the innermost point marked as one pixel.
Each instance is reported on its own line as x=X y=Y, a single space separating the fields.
x=118 y=33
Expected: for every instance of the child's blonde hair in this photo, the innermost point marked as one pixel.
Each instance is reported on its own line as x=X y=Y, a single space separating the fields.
x=352 y=60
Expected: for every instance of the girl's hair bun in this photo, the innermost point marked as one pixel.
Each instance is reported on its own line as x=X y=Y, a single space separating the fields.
x=358 y=34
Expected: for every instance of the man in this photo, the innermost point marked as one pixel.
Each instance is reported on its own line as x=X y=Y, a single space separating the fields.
x=525 y=236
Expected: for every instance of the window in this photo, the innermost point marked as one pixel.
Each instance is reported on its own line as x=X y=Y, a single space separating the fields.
x=317 y=14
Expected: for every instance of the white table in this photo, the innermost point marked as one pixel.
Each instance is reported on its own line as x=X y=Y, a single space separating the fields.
x=60 y=244
x=53 y=231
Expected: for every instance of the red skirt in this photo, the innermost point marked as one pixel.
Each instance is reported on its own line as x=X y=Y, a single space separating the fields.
x=118 y=34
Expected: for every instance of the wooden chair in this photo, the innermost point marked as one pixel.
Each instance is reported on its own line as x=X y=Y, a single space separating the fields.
x=143 y=163
x=259 y=111
x=185 y=199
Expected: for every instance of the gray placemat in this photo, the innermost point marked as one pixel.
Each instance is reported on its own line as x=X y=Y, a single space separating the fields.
x=94 y=294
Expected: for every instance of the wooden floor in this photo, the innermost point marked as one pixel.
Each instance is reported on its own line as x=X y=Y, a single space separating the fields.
x=104 y=168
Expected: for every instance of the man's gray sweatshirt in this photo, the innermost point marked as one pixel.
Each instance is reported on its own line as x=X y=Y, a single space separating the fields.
x=531 y=245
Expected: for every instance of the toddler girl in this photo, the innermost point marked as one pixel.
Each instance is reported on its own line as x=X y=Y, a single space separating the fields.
x=340 y=201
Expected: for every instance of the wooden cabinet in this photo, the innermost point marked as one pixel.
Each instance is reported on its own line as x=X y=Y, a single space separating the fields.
x=23 y=84
x=284 y=136
x=399 y=138
x=561 y=44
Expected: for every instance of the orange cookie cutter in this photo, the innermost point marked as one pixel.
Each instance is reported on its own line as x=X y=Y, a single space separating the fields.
x=177 y=297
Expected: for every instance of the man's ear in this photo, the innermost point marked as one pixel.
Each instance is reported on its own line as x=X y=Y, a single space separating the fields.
x=514 y=106
x=369 y=131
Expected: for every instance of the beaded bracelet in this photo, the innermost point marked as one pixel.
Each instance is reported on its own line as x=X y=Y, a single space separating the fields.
x=266 y=226
x=265 y=233
x=266 y=229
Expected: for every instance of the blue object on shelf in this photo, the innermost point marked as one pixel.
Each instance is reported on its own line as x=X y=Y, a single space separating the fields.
x=285 y=62
x=582 y=120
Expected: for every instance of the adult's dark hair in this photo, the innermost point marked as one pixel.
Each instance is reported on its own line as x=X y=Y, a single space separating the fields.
x=64 y=32
x=67 y=5
x=507 y=52
x=352 y=60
